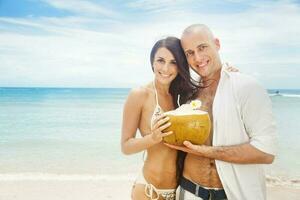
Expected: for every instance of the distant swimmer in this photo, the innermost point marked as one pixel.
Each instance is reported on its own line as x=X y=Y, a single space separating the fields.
x=277 y=93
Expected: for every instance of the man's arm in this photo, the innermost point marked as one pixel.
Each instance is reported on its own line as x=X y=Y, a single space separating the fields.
x=256 y=113
x=241 y=154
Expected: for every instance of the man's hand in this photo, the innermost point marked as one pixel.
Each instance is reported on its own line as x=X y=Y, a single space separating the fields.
x=199 y=150
x=231 y=68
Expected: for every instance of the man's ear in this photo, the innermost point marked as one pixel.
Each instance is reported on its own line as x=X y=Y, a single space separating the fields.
x=217 y=43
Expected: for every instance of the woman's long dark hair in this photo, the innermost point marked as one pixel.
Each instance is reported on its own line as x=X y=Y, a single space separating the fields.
x=182 y=85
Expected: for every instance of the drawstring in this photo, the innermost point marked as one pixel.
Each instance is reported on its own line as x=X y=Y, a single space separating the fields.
x=144 y=155
x=178 y=98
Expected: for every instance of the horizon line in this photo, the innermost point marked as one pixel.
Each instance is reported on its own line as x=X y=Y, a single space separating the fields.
x=79 y=87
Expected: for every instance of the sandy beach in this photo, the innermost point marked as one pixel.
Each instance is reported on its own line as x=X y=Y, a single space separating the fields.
x=94 y=190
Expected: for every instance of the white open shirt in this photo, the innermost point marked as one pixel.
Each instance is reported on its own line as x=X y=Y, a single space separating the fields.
x=242 y=113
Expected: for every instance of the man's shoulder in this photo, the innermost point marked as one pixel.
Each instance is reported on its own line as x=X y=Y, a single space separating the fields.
x=243 y=81
x=245 y=85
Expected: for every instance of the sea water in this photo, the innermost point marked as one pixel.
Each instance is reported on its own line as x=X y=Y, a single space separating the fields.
x=57 y=132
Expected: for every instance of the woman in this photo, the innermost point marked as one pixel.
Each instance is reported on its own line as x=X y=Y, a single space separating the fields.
x=144 y=109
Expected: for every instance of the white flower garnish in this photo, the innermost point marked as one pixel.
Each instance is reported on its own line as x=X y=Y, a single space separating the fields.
x=196 y=104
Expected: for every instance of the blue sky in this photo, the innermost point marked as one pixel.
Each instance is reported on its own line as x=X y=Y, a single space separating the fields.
x=91 y=43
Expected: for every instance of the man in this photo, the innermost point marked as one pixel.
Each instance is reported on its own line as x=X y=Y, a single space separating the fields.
x=243 y=136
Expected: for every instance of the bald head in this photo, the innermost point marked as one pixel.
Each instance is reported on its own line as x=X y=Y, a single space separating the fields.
x=198 y=29
x=202 y=50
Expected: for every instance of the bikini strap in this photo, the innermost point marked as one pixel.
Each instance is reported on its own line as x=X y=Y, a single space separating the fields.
x=151 y=191
x=156 y=95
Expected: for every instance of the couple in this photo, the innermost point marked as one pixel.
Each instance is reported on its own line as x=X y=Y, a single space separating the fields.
x=243 y=135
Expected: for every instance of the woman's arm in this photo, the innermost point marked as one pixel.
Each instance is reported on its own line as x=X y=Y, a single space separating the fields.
x=131 y=119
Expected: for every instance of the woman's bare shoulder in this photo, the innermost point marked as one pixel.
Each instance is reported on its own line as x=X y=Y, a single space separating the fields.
x=140 y=93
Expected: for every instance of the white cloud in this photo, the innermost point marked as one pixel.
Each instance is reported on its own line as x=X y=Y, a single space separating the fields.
x=81 y=7
x=67 y=56
x=155 y=4
x=85 y=51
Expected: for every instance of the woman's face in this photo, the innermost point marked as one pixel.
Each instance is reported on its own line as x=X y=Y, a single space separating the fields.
x=164 y=66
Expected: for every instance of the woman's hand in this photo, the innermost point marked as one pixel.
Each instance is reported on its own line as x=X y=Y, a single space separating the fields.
x=160 y=124
x=231 y=68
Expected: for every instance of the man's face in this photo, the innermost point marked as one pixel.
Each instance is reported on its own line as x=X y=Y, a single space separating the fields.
x=202 y=53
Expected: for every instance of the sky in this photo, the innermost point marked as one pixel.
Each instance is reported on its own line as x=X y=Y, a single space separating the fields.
x=94 y=43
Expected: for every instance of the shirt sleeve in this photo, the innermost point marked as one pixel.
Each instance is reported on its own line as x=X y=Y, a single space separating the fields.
x=257 y=116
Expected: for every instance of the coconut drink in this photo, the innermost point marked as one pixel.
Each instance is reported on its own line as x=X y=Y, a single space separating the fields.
x=188 y=122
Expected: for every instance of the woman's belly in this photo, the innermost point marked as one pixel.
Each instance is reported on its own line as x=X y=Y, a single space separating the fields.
x=160 y=167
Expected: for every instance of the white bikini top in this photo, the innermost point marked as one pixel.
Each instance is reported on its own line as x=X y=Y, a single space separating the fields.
x=158 y=110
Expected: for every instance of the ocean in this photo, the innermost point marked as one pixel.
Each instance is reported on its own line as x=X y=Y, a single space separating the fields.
x=75 y=132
